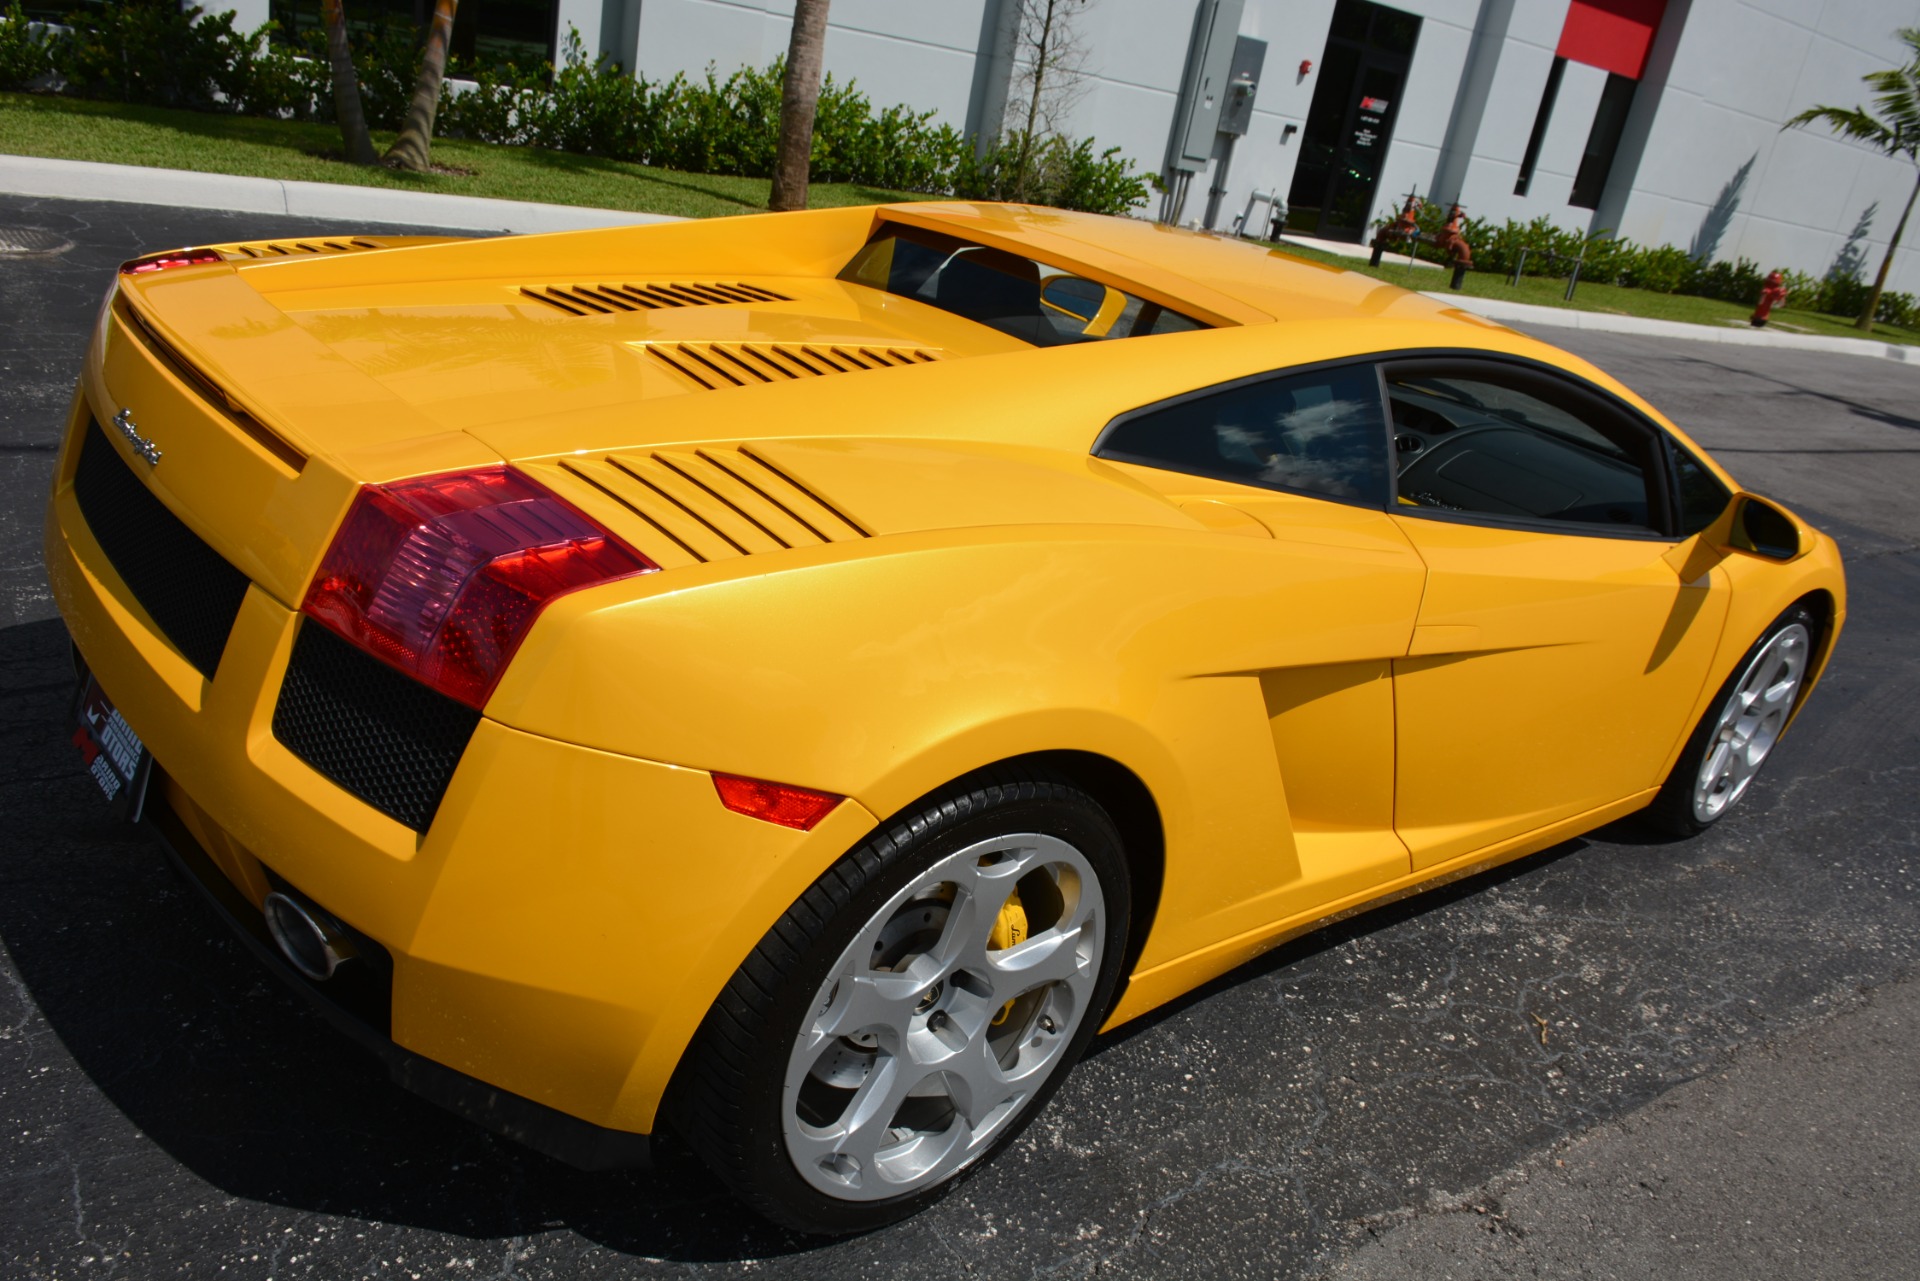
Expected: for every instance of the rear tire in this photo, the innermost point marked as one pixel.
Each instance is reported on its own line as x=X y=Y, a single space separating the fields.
x=1737 y=734
x=889 y=1034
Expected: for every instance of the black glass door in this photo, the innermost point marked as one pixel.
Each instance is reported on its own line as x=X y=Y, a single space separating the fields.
x=1344 y=144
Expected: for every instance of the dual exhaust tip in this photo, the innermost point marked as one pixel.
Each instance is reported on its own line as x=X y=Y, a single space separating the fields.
x=313 y=942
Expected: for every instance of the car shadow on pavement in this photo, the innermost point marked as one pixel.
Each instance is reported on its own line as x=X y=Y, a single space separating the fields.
x=1373 y=921
x=239 y=1085
x=230 y=1075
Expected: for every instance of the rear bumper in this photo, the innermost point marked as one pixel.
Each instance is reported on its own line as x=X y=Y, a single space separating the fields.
x=544 y=1129
x=558 y=931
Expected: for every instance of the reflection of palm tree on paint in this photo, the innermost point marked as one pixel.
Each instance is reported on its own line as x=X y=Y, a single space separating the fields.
x=1892 y=127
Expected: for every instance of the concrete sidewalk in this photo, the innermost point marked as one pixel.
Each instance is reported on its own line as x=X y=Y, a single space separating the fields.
x=184 y=189
x=1799 y=1161
x=1520 y=313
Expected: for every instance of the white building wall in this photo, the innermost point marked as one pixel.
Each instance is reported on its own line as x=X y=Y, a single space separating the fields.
x=1520 y=79
x=918 y=52
x=1715 y=160
x=1718 y=172
x=1439 y=56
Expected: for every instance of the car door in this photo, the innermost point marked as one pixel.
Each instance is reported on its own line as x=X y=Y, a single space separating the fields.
x=1565 y=632
x=1290 y=473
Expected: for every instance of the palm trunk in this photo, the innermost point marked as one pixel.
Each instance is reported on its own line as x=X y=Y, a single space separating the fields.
x=413 y=148
x=346 y=86
x=799 y=99
x=1886 y=264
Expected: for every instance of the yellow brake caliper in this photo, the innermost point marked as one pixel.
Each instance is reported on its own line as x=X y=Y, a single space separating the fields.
x=1009 y=930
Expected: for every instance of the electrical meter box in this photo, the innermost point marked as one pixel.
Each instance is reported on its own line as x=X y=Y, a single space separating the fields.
x=1203 y=88
x=1243 y=81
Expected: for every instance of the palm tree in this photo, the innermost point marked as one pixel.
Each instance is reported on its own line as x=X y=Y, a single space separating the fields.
x=799 y=98
x=346 y=86
x=1892 y=127
x=411 y=149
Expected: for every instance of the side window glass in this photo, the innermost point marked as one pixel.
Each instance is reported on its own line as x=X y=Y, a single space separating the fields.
x=1516 y=448
x=1318 y=433
x=1702 y=496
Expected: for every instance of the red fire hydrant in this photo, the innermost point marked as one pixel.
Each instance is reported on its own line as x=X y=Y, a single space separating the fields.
x=1772 y=294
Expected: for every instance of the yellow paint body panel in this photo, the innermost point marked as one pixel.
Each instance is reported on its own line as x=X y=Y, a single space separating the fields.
x=876 y=576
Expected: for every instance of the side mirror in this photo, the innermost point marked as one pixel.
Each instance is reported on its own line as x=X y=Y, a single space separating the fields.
x=1085 y=300
x=1749 y=524
x=1763 y=529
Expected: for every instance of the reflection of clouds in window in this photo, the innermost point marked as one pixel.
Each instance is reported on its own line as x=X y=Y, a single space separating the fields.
x=1309 y=425
x=1338 y=476
x=1319 y=434
x=1238 y=445
x=1322 y=447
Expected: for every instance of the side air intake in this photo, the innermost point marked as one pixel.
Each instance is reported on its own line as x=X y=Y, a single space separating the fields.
x=718 y=365
x=600 y=300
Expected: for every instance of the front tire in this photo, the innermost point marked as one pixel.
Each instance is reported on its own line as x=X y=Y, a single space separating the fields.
x=914 y=1010
x=1733 y=740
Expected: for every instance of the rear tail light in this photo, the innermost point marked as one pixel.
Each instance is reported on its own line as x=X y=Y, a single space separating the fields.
x=443 y=577
x=800 y=808
x=170 y=259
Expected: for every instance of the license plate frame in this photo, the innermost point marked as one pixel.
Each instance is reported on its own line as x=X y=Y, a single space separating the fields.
x=113 y=753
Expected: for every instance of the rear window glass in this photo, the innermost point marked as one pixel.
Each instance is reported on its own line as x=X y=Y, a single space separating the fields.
x=1019 y=296
x=1320 y=433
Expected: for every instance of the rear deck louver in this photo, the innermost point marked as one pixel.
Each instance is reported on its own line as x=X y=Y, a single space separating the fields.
x=717 y=365
x=295 y=248
x=713 y=503
x=596 y=300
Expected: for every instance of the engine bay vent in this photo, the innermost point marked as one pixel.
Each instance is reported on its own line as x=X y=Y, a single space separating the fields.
x=714 y=366
x=295 y=248
x=596 y=300
x=712 y=503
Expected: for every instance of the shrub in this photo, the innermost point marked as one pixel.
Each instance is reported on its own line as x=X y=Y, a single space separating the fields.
x=24 y=57
x=154 y=53
x=1665 y=269
x=286 y=81
x=732 y=126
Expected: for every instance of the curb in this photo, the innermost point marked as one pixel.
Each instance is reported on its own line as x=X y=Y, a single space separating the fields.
x=185 y=189
x=1527 y=314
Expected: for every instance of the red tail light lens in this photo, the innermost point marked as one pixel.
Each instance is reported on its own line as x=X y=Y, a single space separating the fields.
x=171 y=258
x=800 y=808
x=443 y=577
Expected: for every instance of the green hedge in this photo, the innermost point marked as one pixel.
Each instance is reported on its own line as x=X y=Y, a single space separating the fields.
x=732 y=126
x=1663 y=269
x=149 y=52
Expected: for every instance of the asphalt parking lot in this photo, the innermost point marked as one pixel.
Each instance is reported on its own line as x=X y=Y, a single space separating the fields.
x=1400 y=1092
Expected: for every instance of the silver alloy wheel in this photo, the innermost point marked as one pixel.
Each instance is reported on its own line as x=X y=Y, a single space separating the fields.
x=1751 y=721
x=926 y=1040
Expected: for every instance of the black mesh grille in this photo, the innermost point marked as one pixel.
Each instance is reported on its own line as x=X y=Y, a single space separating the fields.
x=191 y=594
x=383 y=736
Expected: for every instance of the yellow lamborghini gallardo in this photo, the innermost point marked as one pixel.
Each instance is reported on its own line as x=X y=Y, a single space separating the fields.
x=795 y=679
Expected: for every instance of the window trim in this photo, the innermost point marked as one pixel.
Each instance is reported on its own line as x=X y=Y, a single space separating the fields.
x=1667 y=487
x=1378 y=503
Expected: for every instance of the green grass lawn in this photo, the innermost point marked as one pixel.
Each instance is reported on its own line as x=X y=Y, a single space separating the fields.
x=1545 y=291
x=74 y=129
